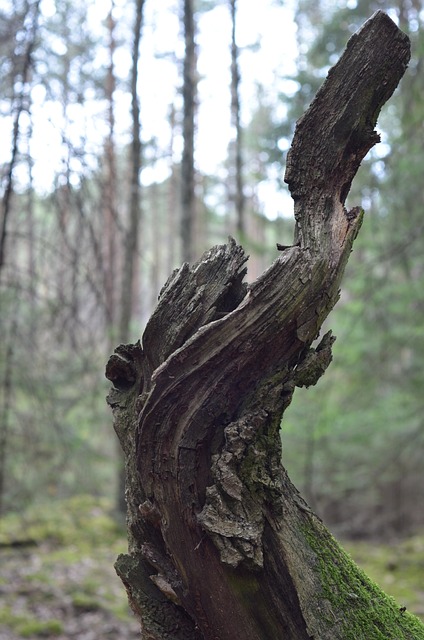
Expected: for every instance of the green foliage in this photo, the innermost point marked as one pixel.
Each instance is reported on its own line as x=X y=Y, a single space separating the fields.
x=59 y=434
x=355 y=442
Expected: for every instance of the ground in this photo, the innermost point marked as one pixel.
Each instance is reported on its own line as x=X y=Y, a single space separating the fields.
x=58 y=579
x=61 y=583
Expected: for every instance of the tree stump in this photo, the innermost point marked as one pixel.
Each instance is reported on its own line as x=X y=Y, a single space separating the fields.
x=221 y=544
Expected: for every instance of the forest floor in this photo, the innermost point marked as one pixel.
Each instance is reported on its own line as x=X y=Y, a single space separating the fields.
x=57 y=578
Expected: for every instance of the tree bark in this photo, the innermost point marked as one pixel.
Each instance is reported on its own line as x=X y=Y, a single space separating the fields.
x=221 y=545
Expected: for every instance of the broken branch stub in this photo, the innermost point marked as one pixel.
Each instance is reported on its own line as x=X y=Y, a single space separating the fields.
x=216 y=528
x=337 y=131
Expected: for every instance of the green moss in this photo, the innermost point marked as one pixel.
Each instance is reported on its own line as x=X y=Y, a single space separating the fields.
x=41 y=628
x=77 y=542
x=39 y=577
x=27 y=626
x=85 y=602
x=363 y=610
x=82 y=520
x=9 y=619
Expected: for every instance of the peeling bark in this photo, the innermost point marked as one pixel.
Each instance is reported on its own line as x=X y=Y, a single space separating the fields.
x=221 y=544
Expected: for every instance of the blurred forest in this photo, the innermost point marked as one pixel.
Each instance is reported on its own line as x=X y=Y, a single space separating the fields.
x=101 y=198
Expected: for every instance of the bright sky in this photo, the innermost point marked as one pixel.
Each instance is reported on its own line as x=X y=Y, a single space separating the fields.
x=267 y=22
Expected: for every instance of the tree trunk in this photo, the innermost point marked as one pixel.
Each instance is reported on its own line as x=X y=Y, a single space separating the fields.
x=131 y=236
x=171 y=217
x=188 y=200
x=131 y=242
x=236 y=154
x=221 y=545
x=6 y=395
x=110 y=212
x=22 y=57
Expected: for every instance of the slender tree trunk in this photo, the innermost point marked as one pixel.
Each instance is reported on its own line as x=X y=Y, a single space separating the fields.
x=131 y=239
x=32 y=265
x=6 y=403
x=155 y=265
x=110 y=190
x=221 y=545
x=23 y=55
x=236 y=147
x=131 y=243
x=172 y=207
x=188 y=200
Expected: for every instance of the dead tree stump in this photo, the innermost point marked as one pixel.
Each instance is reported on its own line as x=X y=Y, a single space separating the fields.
x=221 y=545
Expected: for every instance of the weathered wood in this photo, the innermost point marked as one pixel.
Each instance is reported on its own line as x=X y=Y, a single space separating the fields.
x=221 y=545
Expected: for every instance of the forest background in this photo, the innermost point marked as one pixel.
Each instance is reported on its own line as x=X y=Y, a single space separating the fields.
x=119 y=161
